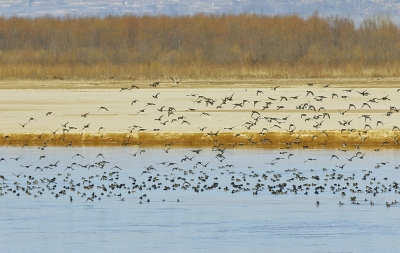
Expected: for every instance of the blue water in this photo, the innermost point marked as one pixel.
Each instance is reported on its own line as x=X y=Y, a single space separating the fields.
x=210 y=219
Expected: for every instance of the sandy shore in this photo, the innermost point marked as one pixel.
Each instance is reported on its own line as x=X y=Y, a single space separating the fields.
x=288 y=113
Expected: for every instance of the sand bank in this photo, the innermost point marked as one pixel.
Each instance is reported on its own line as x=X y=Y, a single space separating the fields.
x=284 y=113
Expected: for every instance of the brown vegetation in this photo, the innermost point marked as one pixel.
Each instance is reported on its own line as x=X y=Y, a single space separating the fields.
x=228 y=46
x=309 y=139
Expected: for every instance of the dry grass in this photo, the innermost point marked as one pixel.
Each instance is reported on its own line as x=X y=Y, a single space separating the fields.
x=143 y=71
x=309 y=139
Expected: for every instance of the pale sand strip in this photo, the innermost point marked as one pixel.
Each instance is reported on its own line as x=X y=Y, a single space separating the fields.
x=178 y=114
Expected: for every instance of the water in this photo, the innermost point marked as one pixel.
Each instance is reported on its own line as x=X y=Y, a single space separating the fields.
x=211 y=219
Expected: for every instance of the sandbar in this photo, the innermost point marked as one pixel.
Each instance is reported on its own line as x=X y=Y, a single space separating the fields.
x=288 y=113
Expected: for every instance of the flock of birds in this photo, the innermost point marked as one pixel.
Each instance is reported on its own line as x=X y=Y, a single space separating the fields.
x=133 y=176
x=138 y=173
x=248 y=115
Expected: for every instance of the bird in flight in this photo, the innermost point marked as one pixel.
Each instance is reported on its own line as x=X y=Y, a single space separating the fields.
x=175 y=81
x=155 y=84
x=86 y=126
x=23 y=125
x=102 y=107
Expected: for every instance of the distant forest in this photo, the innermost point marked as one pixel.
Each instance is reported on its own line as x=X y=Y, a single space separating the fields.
x=201 y=46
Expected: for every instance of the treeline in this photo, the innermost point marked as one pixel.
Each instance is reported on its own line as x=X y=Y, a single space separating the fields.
x=201 y=46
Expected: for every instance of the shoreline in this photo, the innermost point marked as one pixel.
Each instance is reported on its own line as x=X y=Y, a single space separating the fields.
x=299 y=139
x=165 y=83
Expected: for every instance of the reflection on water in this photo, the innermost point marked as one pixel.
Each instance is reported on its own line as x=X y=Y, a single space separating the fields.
x=237 y=200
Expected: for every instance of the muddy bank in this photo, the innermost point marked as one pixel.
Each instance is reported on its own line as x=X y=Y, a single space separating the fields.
x=299 y=139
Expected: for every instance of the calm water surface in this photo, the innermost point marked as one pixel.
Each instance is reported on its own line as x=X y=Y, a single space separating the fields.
x=206 y=217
